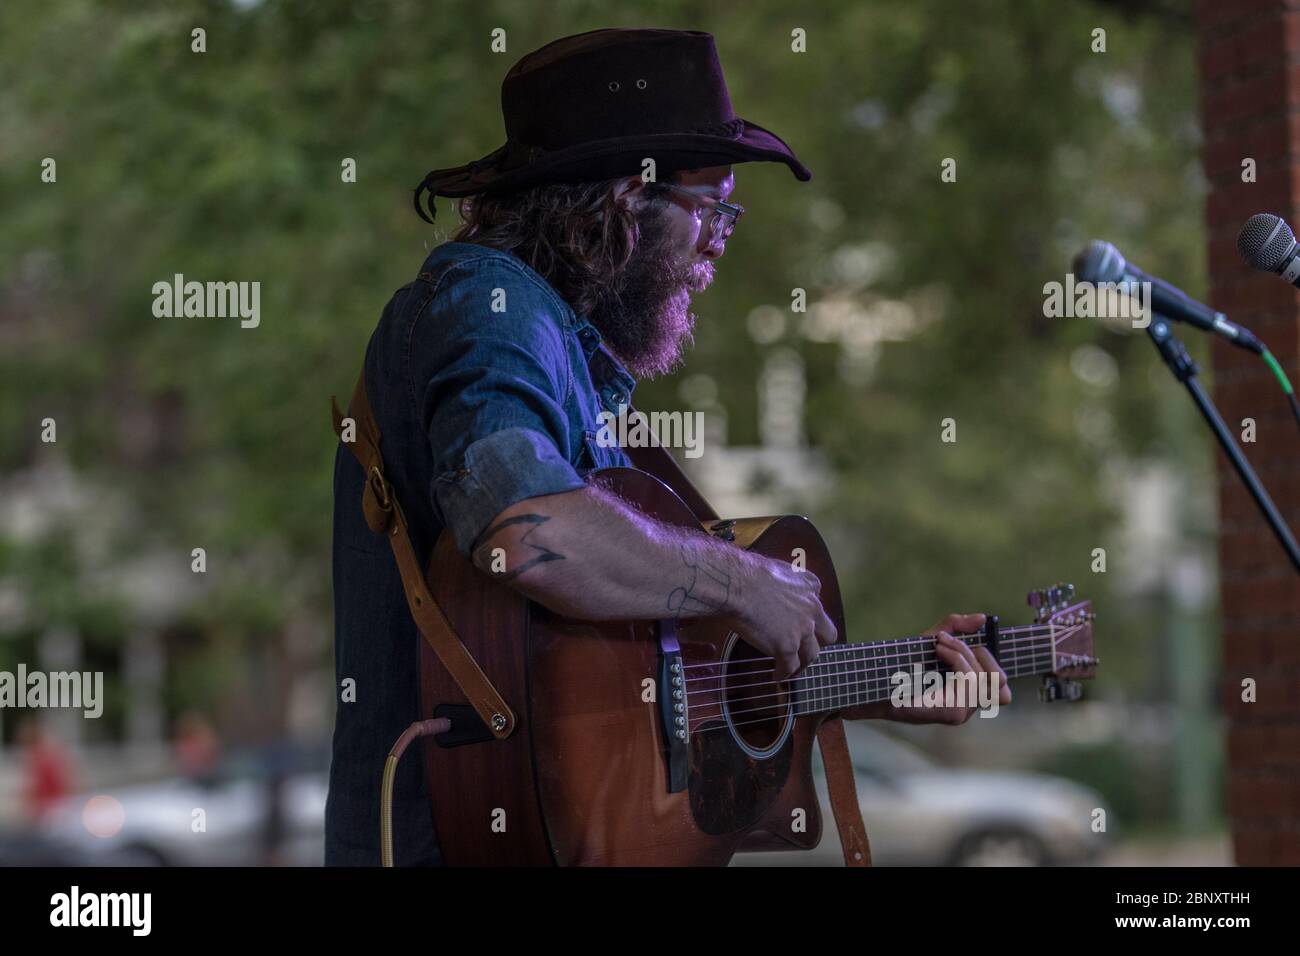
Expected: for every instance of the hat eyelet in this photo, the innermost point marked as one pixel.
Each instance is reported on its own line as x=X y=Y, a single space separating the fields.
x=613 y=87
x=640 y=84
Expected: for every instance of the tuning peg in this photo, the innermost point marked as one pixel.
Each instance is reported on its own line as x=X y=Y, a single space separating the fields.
x=1059 y=688
x=1041 y=602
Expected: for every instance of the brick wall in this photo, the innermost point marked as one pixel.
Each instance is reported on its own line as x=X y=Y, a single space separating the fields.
x=1250 y=108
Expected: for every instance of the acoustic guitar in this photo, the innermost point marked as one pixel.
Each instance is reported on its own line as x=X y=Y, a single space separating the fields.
x=662 y=742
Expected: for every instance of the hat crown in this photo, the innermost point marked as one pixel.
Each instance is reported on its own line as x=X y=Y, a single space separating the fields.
x=614 y=83
x=596 y=105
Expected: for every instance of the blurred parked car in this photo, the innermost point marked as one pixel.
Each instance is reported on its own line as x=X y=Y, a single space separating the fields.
x=23 y=848
x=920 y=814
x=916 y=812
x=157 y=823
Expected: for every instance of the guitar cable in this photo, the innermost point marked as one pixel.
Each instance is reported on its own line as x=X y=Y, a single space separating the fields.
x=421 y=728
x=1284 y=382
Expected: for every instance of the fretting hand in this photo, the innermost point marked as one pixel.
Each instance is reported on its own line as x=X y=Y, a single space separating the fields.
x=960 y=658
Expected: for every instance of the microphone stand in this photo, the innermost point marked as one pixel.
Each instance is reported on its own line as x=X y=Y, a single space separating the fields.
x=1184 y=369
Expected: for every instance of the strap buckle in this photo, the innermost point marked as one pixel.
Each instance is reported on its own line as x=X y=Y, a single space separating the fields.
x=379 y=486
x=377 y=502
x=383 y=514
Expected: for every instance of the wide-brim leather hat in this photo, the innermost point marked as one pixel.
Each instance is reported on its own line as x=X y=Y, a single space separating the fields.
x=597 y=105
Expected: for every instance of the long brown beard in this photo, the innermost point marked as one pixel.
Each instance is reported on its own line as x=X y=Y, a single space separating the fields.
x=645 y=318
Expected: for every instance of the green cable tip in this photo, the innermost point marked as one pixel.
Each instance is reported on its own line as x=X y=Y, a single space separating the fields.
x=1277 y=370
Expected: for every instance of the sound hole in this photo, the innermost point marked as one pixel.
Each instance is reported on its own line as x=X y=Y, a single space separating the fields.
x=756 y=709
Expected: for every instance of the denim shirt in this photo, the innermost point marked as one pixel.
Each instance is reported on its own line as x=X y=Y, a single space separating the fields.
x=486 y=388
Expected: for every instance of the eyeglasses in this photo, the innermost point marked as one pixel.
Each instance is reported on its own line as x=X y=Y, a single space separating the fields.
x=722 y=217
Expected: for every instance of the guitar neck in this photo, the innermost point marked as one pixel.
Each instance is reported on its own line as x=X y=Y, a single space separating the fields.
x=850 y=674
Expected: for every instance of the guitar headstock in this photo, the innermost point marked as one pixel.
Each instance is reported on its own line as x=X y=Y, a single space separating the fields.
x=1070 y=624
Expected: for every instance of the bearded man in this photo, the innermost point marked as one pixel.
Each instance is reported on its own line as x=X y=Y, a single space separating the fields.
x=570 y=277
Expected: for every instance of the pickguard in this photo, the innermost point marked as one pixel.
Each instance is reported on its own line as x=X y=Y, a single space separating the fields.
x=730 y=791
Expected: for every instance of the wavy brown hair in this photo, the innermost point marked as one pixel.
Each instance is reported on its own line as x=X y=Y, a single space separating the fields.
x=575 y=235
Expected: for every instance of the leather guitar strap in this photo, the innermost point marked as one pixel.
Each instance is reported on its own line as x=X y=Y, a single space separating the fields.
x=840 y=781
x=844 y=792
x=384 y=516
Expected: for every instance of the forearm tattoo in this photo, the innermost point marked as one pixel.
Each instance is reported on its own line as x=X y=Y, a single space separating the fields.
x=483 y=554
x=706 y=589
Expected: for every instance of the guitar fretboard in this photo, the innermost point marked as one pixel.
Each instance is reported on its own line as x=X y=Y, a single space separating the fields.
x=851 y=674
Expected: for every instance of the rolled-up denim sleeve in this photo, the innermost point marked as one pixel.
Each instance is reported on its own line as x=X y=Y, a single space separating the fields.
x=494 y=387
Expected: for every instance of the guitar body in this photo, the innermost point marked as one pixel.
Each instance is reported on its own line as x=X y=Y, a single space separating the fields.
x=584 y=779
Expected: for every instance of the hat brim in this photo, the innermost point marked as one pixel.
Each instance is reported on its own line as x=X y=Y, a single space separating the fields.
x=606 y=159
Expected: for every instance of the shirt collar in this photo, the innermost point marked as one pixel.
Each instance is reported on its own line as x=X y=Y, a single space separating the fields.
x=613 y=381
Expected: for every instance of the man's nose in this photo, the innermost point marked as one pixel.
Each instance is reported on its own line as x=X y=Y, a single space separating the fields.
x=714 y=250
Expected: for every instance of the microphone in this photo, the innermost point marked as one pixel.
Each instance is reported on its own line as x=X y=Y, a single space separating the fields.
x=1101 y=262
x=1267 y=243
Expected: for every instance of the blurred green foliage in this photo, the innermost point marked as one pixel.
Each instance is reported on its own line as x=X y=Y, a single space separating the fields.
x=1139 y=785
x=226 y=166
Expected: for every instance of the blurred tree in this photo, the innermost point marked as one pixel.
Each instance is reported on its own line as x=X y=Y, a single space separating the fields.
x=926 y=295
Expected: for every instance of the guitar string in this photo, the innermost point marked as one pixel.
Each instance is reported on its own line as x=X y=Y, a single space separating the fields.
x=818 y=700
x=859 y=651
x=883 y=679
x=813 y=674
x=888 y=669
x=844 y=650
x=1016 y=658
x=885 y=669
x=814 y=708
x=856 y=689
x=832 y=681
x=1039 y=629
x=795 y=713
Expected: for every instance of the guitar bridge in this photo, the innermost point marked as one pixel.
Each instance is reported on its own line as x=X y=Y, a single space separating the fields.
x=672 y=708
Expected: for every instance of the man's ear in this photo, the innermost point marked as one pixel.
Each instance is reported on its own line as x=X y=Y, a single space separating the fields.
x=628 y=193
